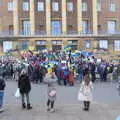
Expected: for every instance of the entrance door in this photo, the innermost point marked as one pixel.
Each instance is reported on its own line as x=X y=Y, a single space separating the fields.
x=26 y=28
x=56 y=28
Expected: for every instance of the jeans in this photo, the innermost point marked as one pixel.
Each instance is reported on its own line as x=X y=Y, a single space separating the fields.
x=27 y=98
x=1 y=98
x=50 y=102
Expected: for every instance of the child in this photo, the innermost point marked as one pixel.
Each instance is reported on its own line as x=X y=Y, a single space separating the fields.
x=51 y=81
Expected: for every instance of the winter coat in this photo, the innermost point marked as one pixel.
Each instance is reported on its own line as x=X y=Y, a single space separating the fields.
x=51 y=84
x=85 y=92
x=2 y=84
x=24 y=84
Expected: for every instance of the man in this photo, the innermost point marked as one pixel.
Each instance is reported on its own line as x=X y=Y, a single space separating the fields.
x=2 y=87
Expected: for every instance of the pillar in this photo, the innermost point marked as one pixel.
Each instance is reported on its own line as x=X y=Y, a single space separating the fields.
x=95 y=18
x=64 y=21
x=48 y=17
x=79 y=16
x=16 y=17
x=32 y=17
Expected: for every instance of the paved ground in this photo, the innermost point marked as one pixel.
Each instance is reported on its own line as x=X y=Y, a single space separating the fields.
x=106 y=104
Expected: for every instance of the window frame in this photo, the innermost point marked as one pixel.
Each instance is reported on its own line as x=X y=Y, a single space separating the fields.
x=10 y=6
x=118 y=45
x=103 y=45
x=40 y=6
x=25 y=6
x=55 y=6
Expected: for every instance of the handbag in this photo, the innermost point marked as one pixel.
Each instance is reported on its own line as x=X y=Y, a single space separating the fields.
x=52 y=93
x=17 y=93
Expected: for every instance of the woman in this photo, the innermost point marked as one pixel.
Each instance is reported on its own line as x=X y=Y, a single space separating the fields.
x=51 y=81
x=85 y=93
x=25 y=88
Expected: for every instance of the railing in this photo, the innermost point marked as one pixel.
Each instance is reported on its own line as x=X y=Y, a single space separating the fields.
x=70 y=33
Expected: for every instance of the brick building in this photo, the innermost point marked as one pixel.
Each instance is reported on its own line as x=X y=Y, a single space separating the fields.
x=85 y=24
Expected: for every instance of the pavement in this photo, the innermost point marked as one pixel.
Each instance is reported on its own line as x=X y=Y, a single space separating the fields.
x=105 y=106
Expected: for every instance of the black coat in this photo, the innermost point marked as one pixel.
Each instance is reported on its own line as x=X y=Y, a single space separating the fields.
x=24 y=84
x=2 y=84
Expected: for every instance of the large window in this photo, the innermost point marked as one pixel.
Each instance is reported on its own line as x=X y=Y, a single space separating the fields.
x=10 y=6
x=55 y=6
x=98 y=6
x=40 y=6
x=117 y=45
x=84 y=6
x=85 y=27
x=25 y=6
x=87 y=44
x=56 y=45
x=41 y=44
x=73 y=44
x=26 y=28
x=70 y=6
x=56 y=27
x=7 y=45
x=103 y=44
x=112 y=7
x=111 y=26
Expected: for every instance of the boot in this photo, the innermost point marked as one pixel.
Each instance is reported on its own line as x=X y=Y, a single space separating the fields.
x=88 y=106
x=23 y=106
x=29 y=106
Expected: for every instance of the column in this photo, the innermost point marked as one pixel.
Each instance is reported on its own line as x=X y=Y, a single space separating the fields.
x=49 y=44
x=32 y=17
x=15 y=17
x=79 y=16
x=48 y=17
x=95 y=18
x=64 y=16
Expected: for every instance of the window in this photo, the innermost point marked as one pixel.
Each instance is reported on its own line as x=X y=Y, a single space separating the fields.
x=85 y=27
x=117 y=45
x=25 y=6
x=10 y=6
x=112 y=7
x=70 y=6
x=10 y=29
x=56 y=42
x=87 y=44
x=98 y=7
x=55 y=6
x=7 y=45
x=103 y=44
x=41 y=42
x=84 y=6
x=111 y=26
x=40 y=6
x=26 y=28
x=56 y=27
x=73 y=44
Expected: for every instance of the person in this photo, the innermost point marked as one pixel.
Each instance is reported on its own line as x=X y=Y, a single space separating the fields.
x=118 y=87
x=85 y=93
x=25 y=88
x=51 y=81
x=2 y=87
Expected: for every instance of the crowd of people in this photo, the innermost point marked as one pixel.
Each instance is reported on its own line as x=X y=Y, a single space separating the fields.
x=68 y=69
x=64 y=68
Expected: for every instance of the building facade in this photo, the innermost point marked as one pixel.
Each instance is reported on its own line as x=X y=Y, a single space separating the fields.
x=37 y=24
